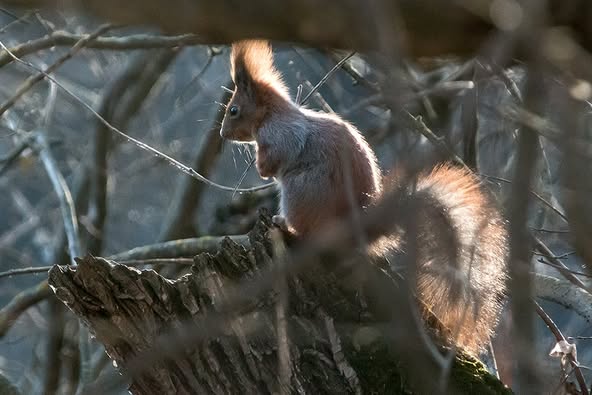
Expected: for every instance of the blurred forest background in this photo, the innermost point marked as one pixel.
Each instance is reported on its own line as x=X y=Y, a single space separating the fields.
x=164 y=89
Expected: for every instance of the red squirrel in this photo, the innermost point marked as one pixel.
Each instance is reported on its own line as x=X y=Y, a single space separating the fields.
x=325 y=169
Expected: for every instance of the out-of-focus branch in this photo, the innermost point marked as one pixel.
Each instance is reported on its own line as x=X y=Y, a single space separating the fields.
x=26 y=270
x=559 y=337
x=6 y=387
x=32 y=80
x=7 y=160
x=120 y=104
x=31 y=296
x=560 y=266
x=460 y=27
x=62 y=191
x=520 y=264
x=170 y=249
x=325 y=78
x=438 y=142
x=70 y=219
x=178 y=248
x=21 y=303
x=135 y=41
x=563 y=293
x=177 y=223
x=324 y=23
x=170 y=160
x=57 y=322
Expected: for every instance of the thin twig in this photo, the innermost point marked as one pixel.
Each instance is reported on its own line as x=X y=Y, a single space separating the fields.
x=124 y=99
x=25 y=270
x=7 y=160
x=244 y=175
x=559 y=337
x=542 y=230
x=198 y=75
x=178 y=248
x=21 y=19
x=130 y=262
x=64 y=196
x=136 y=41
x=281 y=312
x=327 y=76
x=561 y=267
x=298 y=98
x=32 y=80
x=186 y=169
x=175 y=251
x=560 y=256
x=544 y=262
x=20 y=303
x=435 y=140
x=68 y=210
x=544 y=127
x=35 y=294
x=355 y=74
x=533 y=193
x=319 y=98
x=188 y=193
x=444 y=88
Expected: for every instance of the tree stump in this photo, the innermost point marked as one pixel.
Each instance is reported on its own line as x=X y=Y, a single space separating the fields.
x=177 y=337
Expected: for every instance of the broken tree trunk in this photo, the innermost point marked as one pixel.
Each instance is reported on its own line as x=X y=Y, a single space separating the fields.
x=177 y=336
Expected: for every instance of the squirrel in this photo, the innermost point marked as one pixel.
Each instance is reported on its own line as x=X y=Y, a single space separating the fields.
x=325 y=170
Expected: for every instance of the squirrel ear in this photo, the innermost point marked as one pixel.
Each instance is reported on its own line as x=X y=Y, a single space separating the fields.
x=240 y=75
x=251 y=64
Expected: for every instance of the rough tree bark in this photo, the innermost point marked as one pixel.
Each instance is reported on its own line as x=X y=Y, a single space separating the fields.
x=335 y=345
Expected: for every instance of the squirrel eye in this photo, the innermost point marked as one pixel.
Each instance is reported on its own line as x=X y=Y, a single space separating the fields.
x=233 y=111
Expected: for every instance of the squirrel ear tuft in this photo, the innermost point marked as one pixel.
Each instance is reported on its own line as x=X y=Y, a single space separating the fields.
x=251 y=63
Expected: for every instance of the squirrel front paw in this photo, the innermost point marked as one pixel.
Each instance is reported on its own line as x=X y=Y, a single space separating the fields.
x=280 y=222
x=267 y=166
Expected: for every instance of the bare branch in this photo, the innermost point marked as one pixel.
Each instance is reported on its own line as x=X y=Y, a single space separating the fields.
x=20 y=303
x=25 y=270
x=559 y=337
x=62 y=191
x=123 y=43
x=32 y=80
x=123 y=100
x=188 y=194
x=326 y=77
x=173 y=162
x=178 y=248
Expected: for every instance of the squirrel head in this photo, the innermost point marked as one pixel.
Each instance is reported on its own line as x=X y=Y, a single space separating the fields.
x=258 y=92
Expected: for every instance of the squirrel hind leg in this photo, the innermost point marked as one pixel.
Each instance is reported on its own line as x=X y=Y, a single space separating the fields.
x=280 y=222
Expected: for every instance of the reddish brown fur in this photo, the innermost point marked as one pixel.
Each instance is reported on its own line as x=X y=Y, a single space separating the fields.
x=465 y=294
x=259 y=89
x=255 y=59
x=350 y=177
x=325 y=169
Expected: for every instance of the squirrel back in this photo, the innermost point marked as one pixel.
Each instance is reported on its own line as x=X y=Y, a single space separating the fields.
x=326 y=170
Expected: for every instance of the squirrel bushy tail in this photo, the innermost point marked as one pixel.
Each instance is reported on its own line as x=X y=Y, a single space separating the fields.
x=309 y=152
x=460 y=251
